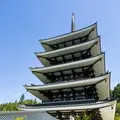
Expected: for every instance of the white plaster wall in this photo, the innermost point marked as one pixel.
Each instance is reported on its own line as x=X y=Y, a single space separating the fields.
x=99 y=67
x=103 y=89
x=108 y=113
x=96 y=49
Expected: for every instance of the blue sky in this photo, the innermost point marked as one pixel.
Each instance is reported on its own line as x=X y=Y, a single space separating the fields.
x=24 y=22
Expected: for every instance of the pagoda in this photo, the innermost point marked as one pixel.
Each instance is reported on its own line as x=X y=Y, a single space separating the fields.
x=74 y=76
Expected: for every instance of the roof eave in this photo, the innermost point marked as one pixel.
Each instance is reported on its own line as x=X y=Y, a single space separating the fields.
x=42 y=41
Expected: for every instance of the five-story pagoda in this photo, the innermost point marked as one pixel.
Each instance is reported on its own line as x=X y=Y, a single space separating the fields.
x=74 y=76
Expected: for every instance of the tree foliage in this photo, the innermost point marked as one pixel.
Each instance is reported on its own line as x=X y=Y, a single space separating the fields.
x=117 y=117
x=9 y=107
x=83 y=116
x=116 y=95
x=118 y=108
x=13 y=106
x=22 y=98
x=21 y=118
x=116 y=92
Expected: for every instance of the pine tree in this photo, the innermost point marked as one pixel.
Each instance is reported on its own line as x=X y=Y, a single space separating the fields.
x=22 y=99
x=116 y=92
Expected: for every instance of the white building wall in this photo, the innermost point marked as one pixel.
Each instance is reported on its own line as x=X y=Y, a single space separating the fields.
x=71 y=117
x=108 y=113
x=103 y=90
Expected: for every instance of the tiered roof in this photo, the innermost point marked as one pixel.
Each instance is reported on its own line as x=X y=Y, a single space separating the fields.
x=69 y=39
x=52 y=73
x=102 y=86
x=72 y=53
x=74 y=75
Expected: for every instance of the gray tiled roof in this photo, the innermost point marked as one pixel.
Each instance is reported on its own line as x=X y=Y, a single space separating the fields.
x=29 y=115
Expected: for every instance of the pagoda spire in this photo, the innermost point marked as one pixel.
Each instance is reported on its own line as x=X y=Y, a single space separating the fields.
x=73 y=23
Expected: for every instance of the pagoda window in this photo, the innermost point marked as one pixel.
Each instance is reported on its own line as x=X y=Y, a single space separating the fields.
x=79 y=73
x=84 y=39
x=70 y=57
x=69 y=43
x=77 y=41
x=72 y=74
x=90 y=93
x=62 y=45
x=67 y=94
x=53 y=61
x=80 y=95
x=58 y=96
x=48 y=94
x=86 y=93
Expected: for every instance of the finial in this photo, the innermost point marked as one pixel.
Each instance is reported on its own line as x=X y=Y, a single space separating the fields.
x=73 y=23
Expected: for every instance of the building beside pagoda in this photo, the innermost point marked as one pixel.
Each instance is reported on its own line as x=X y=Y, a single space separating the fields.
x=74 y=76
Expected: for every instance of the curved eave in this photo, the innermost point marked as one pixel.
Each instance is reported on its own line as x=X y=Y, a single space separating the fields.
x=68 y=84
x=72 y=35
x=102 y=85
x=99 y=67
x=93 y=44
x=89 y=106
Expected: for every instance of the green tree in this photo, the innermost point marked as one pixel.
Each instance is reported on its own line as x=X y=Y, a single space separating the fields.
x=35 y=101
x=22 y=98
x=116 y=92
x=111 y=93
x=118 y=108
x=4 y=109
x=117 y=117
x=30 y=102
x=83 y=116
x=21 y=118
x=14 y=106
